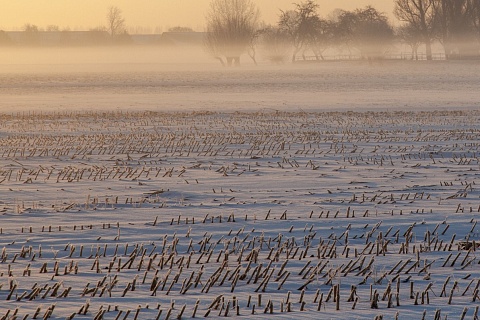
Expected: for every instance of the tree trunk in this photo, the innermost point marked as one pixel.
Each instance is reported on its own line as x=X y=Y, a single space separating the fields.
x=448 y=51
x=428 y=47
x=252 y=56
x=294 y=55
x=221 y=61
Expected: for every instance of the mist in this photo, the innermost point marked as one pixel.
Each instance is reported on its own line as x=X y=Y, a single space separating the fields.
x=159 y=78
x=102 y=58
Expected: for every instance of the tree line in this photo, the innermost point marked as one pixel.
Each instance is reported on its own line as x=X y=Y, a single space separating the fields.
x=114 y=31
x=234 y=28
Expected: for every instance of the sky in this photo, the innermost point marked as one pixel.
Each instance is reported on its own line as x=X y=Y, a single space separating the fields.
x=147 y=14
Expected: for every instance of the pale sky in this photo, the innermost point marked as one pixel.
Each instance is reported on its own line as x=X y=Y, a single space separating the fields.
x=85 y=14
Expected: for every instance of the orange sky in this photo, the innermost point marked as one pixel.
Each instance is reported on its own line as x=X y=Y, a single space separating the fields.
x=85 y=14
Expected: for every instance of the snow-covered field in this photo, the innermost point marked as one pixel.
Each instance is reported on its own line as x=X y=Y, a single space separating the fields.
x=331 y=191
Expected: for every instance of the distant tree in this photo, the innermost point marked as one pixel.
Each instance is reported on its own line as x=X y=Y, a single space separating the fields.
x=252 y=46
x=124 y=38
x=343 y=29
x=98 y=36
x=115 y=22
x=365 y=29
x=456 y=27
x=421 y=16
x=31 y=33
x=322 y=38
x=4 y=38
x=30 y=28
x=475 y=16
x=98 y=29
x=373 y=31
x=66 y=37
x=300 y=25
x=180 y=29
x=52 y=27
x=288 y=24
x=231 y=26
x=410 y=36
x=274 y=44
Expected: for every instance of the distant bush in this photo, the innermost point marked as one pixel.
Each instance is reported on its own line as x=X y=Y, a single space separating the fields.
x=4 y=38
x=180 y=29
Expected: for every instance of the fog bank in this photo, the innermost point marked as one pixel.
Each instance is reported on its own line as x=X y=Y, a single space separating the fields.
x=153 y=78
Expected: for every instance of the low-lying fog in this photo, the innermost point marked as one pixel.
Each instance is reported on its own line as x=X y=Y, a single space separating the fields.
x=155 y=78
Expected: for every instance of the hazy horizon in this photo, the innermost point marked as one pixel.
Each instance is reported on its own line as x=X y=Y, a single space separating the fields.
x=148 y=14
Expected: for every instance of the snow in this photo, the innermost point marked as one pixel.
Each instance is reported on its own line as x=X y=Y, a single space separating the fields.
x=314 y=168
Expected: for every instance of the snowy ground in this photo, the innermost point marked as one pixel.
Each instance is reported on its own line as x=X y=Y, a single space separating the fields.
x=144 y=190
x=147 y=211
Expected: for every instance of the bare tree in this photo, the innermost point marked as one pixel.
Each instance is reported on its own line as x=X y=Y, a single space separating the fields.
x=322 y=38
x=274 y=45
x=252 y=46
x=231 y=26
x=115 y=22
x=30 y=28
x=457 y=27
x=31 y=33
x=411 y=37
x=475 y=16
x=420 y=14
x=300 y=25
x=343 y=30
x=367 y=30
